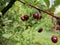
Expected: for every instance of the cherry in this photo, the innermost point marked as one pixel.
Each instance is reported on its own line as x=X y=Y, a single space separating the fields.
x=37 y=16
x=25 y=18
x=58 y=27
x=54 y=39
x=40 y=16
x=22 y=18
x=40 y=30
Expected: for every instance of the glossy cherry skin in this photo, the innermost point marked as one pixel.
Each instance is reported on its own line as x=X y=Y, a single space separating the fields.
x=37 y=16
x=54 y=39
x=22 y=18
x=25 y=18
x=40 y=16
x=58 y=27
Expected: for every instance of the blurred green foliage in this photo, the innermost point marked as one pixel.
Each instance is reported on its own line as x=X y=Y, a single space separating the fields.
x=15 y=31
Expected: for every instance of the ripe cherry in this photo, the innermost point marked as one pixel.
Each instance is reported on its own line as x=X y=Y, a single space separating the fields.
x=25 y=18
x=40 y=30
x=58 y=27
x=40 y=16
x=37 y=16
x=54 y=39
x=22 y=18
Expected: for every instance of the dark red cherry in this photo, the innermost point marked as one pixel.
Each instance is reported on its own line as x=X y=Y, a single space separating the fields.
x=40 y=16
x=36 y=16
x=25 y=18
x=40 y=30
x=58 y=27
x=22 y=18
x=54 y=39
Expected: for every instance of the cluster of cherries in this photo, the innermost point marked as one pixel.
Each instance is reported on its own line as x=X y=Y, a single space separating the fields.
x=38 y=16
x=35 y=16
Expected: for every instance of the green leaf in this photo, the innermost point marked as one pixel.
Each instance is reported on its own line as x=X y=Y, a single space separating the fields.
x=57 y=2
x=53 y=9
x=47 y=2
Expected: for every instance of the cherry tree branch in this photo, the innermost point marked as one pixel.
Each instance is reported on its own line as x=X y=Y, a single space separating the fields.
x=8 y=6
x=51 y=14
